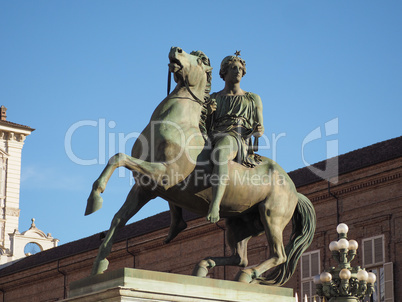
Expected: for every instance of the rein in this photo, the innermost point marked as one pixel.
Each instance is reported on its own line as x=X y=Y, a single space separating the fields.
x=196 y=99
x=169 y=81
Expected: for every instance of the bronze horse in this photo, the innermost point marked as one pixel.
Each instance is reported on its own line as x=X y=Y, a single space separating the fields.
x=173 y=156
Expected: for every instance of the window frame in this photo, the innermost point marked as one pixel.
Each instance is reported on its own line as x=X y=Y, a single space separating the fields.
x=310 y=278
x=372 y=262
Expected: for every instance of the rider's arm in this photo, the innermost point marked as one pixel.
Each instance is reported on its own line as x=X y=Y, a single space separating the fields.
x=259 y=116
x=211 y=108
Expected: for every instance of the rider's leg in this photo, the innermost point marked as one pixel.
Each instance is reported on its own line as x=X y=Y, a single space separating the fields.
x=224 y=150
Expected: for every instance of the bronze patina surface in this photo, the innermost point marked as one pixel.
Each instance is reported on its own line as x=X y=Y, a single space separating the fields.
x=219 y=176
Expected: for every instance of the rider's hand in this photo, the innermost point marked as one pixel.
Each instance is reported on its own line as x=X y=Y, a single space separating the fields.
x=259 y=131
x=212 y=107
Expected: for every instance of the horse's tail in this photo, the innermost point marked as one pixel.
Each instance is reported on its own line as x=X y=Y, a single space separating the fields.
x=304 y=223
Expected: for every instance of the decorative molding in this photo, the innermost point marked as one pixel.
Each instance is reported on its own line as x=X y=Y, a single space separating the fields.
x=21 y=137
x=12 y=136
x=4 y=155
x=373 y=221
x=13 y=212
x=356 y=187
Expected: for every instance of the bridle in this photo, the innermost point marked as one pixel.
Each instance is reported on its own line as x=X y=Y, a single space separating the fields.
x=185 y=79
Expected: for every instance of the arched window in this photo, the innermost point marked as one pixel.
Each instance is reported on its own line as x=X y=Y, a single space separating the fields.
x=32 y=248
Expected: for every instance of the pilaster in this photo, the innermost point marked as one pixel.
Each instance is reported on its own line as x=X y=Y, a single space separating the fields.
x=13 y=142
x=12 y=137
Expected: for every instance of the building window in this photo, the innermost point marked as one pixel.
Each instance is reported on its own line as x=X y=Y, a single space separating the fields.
x=374 y=261
x=310 y=266
x=373 y=251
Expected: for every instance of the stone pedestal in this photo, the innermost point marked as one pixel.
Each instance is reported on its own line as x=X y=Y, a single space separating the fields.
x=141 y=285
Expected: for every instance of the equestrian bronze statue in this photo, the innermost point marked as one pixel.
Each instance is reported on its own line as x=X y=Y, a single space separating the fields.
x=173 y=158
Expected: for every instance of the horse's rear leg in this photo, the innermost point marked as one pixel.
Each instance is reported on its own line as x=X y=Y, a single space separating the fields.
x=238 y=258
x=237 y=239
x=136 y=199
x=274 y=226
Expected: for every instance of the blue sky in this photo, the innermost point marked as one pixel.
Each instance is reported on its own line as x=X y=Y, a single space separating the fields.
x=101 y=67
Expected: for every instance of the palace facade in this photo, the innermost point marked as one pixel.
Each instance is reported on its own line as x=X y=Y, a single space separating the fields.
x=366 y=196
x=13 y=244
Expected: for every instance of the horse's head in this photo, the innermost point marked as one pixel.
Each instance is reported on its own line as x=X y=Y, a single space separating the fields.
x=192 y=70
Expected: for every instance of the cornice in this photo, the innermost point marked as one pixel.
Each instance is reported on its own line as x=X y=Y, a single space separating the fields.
x=10 y=126
x=12 y=136
x=343 y=189
x=15 y=130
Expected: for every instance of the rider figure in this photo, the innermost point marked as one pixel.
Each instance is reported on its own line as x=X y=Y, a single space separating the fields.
x=237 y=115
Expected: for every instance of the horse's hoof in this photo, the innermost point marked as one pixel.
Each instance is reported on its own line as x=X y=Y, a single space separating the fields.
x=246 y=276
x=200 y=271
x=100 y=268
x=94 y=202
x=175 y=230
x=202 y=268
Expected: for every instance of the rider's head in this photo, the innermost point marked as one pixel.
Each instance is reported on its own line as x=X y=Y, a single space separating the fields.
x=226 y=63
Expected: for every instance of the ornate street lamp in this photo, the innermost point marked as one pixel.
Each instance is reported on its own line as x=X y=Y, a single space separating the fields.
x=344 y=283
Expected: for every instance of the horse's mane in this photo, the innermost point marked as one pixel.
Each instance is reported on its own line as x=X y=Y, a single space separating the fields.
x=204 y=111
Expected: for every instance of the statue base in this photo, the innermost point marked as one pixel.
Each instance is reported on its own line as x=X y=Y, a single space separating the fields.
x=140 y=285
x=344 y=299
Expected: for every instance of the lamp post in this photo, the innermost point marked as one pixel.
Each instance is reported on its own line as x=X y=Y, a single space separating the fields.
x=344 y=283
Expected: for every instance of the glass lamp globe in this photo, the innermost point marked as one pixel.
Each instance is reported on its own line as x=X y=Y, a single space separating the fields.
x=353 y=245
x=317 y=279
x=362 y=275
x=342 y=228
x=345 y=274
x=343 y=244
x=333 y=246
x=371 y=278
x=325 y=277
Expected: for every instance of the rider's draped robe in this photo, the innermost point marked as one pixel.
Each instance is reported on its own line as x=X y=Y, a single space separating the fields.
x=236 y=116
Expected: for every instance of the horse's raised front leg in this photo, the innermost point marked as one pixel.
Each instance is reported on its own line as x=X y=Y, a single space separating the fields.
x=153 y=170
x=136 y=199
x=95 y=201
